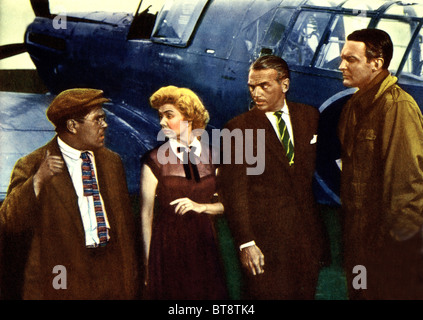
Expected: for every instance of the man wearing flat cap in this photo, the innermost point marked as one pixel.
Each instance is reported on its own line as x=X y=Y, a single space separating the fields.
x=71 y=200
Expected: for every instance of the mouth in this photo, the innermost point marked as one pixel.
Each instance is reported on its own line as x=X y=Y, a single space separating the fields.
x=168 y=132
x=260 y=102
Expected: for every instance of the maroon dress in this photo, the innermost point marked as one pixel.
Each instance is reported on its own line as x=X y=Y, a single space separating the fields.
x=184 y=261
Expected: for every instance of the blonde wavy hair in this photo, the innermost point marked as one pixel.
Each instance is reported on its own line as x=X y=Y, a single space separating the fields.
x=186 y=101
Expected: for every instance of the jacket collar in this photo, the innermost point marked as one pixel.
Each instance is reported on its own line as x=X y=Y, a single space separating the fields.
x=375 y=90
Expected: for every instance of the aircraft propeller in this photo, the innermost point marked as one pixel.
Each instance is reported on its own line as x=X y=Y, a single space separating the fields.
x=41 y=8
x=10 y=50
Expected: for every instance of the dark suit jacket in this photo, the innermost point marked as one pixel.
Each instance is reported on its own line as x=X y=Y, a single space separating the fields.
x=277 y=209
x=57 y=236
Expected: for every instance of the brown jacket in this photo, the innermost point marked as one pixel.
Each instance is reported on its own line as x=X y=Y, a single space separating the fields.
x=381 y=133
x=277 y=209
x=57 y=236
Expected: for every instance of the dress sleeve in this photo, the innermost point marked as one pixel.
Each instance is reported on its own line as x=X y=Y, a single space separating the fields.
x=150 y=159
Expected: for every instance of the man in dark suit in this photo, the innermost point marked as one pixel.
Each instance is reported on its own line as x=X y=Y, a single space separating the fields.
x=70 y=199
x=273 y=215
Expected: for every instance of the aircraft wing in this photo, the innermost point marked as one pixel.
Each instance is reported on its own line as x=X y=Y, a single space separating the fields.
x=24 y=128
x=131 y=133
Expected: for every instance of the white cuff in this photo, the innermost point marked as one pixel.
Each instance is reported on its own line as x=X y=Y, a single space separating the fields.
x=247 y=244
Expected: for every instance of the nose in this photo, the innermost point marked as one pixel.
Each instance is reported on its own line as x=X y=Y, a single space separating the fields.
x=163 y=122
x=104 y=124
x=255 y=92
x=342 y=66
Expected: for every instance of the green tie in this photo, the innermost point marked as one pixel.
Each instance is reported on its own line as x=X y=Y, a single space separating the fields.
x=284 y=137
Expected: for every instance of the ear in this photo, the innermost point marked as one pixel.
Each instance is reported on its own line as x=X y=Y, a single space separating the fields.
x=285 y=85
x=377 y=64
x=72 y=126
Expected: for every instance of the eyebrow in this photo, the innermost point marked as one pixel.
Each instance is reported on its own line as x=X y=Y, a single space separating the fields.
x=348 y=56
x=96 y=115
x=258 y=84
x=167 y=111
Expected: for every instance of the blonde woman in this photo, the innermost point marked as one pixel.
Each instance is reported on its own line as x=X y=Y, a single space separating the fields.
x=178 y=183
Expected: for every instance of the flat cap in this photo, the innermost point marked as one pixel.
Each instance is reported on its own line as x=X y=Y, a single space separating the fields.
x=74 y=101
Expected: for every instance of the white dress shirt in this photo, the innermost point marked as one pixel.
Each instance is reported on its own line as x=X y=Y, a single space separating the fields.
x=285 y=116
x=73 y=162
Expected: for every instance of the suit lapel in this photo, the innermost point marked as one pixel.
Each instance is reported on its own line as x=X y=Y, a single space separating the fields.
x=62 y=185
x=298 y=132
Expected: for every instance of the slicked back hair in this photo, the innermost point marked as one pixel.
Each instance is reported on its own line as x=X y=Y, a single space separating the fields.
x=272 y=62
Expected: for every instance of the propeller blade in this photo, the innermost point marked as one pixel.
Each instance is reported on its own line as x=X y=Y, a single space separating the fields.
x=10 y=50
x=41 y=8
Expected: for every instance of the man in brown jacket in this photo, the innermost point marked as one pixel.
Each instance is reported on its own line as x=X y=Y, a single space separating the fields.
x=71 y=201
x=272 y=212
x=381 y=133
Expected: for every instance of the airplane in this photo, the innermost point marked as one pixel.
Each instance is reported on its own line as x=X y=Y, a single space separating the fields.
x=207 y=46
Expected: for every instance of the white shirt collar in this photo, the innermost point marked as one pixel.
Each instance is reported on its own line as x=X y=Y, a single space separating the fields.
x=174 y=144
x=68 y=151
x=285 y=116
x=285 y=110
